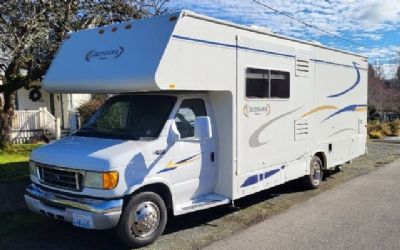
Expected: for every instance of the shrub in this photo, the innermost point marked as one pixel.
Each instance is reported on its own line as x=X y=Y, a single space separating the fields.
x=386 y=129
x=87 y=109
x=375 y=134
x=374 y=125
x=395 y=127
x=377 y=130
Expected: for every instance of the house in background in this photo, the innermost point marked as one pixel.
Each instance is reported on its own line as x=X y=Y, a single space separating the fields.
x=39 y=113
x=391 y=111
x=392 y=84
x=63 y=106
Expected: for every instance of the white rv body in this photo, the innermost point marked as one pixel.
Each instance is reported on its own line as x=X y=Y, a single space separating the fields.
x=256 y=143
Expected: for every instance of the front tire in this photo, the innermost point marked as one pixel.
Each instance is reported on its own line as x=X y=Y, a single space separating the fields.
x=143 y=220
x=314 y=179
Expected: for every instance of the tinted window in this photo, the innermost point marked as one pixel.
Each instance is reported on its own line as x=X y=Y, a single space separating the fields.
x=116 y=116
x=280 y=84
x=257 y=84
x=130 y=117
x=186 y=116
x=261 y=83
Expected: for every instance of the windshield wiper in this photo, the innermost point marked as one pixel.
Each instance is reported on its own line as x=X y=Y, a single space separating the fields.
x=102 y=134
x=146 y=138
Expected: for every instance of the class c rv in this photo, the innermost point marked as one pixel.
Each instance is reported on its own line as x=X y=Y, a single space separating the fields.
x=203 y=112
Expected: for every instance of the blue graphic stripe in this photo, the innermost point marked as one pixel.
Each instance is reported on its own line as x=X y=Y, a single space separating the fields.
x=345 y=109
x=255 y=50
x=353 y=86
x=251 y=180
x=166 y=170
x=265 y=52
x=271 y=173
x=335 y=64
x=203 y=41
x=231 y=46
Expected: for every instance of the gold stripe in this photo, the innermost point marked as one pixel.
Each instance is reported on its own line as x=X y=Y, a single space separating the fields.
x=361 y=109
x=325 y=107
x=171 y=164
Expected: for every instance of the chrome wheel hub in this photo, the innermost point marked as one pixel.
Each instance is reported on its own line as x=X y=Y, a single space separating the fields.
x=146 y=219
x=316 y=173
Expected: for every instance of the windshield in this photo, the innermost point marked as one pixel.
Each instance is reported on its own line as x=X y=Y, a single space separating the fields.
x=132 y=117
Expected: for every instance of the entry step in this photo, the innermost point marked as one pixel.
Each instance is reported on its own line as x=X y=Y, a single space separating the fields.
x=207 y=201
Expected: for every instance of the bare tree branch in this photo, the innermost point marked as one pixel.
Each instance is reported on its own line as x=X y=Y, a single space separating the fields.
x=32 y=31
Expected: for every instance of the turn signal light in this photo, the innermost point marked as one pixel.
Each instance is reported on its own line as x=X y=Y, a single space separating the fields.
x=110 y=180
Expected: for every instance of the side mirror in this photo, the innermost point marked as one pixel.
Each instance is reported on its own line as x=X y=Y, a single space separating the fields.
x=202 y=128
x=173 y=134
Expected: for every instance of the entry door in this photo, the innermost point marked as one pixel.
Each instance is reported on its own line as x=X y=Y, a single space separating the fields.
x=195 y=173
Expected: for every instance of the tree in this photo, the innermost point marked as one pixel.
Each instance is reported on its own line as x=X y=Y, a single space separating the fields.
x=396 y=72
x=380 y=99
x=32 y=31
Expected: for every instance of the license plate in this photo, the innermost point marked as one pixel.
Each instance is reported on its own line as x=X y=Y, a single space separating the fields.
x=82 y=220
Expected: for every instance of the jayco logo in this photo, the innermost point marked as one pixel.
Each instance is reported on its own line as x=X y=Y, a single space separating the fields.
x=104 y=54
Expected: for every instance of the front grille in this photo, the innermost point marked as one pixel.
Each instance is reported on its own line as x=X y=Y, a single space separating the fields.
x=60 y=178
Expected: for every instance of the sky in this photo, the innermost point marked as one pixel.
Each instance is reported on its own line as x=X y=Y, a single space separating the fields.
x=372 y=25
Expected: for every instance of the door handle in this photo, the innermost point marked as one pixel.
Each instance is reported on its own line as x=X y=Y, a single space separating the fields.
x=159 y=152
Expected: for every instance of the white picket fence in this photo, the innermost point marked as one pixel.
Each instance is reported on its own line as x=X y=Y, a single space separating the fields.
x=29 y=125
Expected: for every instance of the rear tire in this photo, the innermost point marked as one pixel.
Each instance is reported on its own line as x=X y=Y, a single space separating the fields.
x=143 y=220
x=314 y=179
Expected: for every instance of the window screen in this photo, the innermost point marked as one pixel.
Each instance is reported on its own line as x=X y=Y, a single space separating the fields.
x=261 y=83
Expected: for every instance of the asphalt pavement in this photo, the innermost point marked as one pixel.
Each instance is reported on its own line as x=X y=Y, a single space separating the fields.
x=363 y=213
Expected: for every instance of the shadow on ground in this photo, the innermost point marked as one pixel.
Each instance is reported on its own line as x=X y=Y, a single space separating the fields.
x=46 y=233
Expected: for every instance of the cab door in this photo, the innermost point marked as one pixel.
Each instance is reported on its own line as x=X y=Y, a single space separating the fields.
x=192 y=160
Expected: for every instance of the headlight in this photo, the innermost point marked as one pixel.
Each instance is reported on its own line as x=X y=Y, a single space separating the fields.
x=104 y=180
x=33 y=170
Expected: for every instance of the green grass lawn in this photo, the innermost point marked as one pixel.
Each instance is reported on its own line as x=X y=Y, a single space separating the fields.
x=14 y=161
x=14 y=166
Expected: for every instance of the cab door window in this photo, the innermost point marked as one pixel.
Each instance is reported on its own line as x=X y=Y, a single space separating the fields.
x=186 y=116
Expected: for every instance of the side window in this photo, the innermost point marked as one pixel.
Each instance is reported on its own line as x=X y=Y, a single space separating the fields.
x=186 y=116
x=272 y=84
x=257 y=83
x=280 y=84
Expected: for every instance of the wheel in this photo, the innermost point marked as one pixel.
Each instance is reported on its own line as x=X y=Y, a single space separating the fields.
x=313 y=180
x=143 y=220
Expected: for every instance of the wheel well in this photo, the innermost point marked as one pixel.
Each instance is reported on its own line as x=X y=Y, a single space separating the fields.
x=161 y=189
x=321 y=155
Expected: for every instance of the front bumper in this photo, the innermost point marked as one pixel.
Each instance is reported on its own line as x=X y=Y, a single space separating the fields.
x=103 y=214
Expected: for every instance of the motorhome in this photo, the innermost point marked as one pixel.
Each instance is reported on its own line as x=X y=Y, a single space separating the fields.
x=203 y=112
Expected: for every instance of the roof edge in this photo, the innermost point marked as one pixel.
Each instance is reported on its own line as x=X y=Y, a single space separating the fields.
x=192 y=14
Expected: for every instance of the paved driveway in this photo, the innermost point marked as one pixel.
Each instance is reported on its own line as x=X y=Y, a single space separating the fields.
x=361 y=214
